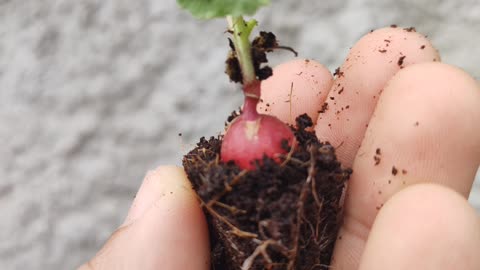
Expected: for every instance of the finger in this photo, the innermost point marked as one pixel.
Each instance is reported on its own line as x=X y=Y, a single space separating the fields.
x=424 y=129
x=165 y=226
x=424 y=227
x=295 y=88
x=370 y=64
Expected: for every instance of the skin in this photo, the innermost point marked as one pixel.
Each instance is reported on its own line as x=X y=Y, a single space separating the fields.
x=424 y=120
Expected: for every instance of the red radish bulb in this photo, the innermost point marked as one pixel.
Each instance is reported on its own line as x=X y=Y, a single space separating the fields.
x=251 y=136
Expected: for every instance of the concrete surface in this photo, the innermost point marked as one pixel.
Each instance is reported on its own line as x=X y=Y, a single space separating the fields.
x=93 y=93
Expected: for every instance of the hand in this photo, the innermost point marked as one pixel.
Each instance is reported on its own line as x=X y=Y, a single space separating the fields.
x=410 y=132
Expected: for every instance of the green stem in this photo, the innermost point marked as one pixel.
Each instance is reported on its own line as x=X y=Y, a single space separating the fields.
x=241 y=32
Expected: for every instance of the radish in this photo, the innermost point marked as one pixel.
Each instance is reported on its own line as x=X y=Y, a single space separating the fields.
x=251 y=136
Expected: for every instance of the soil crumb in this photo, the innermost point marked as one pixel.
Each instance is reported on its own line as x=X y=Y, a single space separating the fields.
x=338 y=72
x=324 y=108
x=410 y=29
x=394 y=171
x=377 y=157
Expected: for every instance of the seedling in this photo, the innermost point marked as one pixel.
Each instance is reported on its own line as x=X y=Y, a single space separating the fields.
x=252 y=135
x=271 y=195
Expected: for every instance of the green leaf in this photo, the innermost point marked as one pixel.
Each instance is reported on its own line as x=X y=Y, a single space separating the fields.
x=208 y=9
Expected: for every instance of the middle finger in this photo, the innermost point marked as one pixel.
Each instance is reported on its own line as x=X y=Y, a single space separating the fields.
x=361 y=79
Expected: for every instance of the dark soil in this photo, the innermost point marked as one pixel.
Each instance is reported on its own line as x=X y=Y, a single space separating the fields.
x=280 y=216
x=400 y=60
x=264 y=43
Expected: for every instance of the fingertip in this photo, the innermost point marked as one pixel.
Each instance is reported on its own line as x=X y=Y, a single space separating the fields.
x=431 y=112
x=370 y=64
x=296 y=87
x=154 y=186
x=173 y=229
x=424 y=226
x=168 y=226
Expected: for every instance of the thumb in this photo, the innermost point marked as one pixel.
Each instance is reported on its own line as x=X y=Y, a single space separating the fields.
x=165 y=228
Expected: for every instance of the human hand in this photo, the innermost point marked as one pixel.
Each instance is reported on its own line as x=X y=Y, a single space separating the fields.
x=405 y=206
x=399 y=118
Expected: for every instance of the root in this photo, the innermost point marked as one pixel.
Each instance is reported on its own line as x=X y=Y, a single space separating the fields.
x=287 y=49
x=309 y=182
x=299 y=162
x=320 y=266
x=289 y=156
x=228 y=188
x=234 y=230
x=315 y=196
x=231 y=209
x=262 y=250
x=311 y=170
x=340 y=145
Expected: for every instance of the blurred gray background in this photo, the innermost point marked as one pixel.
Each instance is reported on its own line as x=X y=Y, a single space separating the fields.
x=93 y=93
